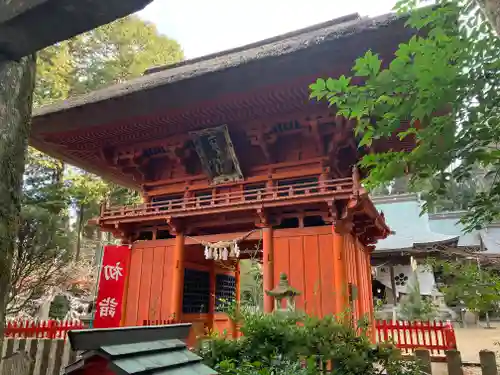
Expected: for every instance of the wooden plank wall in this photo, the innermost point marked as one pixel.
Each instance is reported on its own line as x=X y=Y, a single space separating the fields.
x=148 y=291
x=49 y=356
x=359 y=275
x=306 y=256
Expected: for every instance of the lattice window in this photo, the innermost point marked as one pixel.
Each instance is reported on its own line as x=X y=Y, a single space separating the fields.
x=225 y=291
x=196 y=298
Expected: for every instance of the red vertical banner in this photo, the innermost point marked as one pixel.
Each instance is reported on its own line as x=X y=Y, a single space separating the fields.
x=109 y=303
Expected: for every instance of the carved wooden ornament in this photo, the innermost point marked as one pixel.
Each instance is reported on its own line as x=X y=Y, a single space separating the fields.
x=217 y=155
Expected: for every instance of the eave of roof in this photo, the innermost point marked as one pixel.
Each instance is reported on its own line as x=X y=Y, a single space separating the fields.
x=209 y=91
x=274 y=47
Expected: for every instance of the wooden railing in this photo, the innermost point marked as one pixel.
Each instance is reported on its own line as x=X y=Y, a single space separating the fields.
x=41 y=329
x=275 y=195
x=435 y=336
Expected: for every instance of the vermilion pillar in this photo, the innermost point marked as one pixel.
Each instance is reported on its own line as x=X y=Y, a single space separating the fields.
x=268 y=271
x=340 y=273
x=361 y=306
x=211 y=302
x=178 y=277
x=237 y=296
x=373 y=331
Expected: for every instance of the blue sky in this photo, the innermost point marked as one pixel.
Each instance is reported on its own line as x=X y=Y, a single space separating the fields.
x=207 y=26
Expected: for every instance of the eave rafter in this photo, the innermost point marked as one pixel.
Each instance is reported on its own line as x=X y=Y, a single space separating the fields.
x=135 y=160
x=359 y=216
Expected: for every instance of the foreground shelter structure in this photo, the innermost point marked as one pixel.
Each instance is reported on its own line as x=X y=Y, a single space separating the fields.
x=234 y=161
x=159 y=350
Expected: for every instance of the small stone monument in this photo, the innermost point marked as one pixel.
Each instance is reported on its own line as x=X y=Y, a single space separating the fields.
x=283 y=291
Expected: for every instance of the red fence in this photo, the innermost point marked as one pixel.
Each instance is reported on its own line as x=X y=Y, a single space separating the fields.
x=435 y=336
x=48 y=329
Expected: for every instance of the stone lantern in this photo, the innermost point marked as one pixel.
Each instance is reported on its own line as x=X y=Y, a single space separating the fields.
x=283 y=291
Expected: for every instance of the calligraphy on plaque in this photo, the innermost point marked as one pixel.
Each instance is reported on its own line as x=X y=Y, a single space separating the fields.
x=216 y=152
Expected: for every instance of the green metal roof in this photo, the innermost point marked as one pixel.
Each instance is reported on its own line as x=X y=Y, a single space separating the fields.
x=164 y=360
x=448 y=223
x=403 y=216
x=413 y=229
x=144 y=347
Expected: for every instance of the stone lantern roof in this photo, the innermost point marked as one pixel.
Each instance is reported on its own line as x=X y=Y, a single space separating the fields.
x=283 y=289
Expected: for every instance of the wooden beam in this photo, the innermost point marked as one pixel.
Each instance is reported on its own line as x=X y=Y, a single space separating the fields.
x=28 y=26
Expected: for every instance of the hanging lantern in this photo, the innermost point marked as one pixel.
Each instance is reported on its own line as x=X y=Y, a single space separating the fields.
x=225 y=253
x=236 y=250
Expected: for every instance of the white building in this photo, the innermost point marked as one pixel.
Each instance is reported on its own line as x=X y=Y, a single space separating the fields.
x=420 y=236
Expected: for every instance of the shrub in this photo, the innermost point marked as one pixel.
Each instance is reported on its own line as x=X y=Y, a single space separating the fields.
x=294 y=343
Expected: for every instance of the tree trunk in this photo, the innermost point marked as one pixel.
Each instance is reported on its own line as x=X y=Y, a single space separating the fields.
x=79 y=229
x=491 y=9
x=17 y=79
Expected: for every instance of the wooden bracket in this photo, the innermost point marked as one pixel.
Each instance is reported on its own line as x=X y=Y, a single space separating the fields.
x=262 y=218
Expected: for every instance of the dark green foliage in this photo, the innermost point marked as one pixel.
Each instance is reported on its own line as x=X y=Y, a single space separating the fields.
x=294 y=343
x=112 y=53
x=252 y=290
x=445 y=82
x=465 y=282
x=43 y=183
x=41 y=254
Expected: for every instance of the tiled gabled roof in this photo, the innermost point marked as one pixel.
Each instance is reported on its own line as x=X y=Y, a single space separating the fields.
x=403 y=215
x=138 y=350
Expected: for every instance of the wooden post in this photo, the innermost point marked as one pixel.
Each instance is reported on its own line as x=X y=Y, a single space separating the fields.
x=339 y=273
x=123 y=321
x=178 y=277
x=394 y=293
x=488 y=362
x=237 y=297
x=16 y=364
x=454 y=362
x=424 y=361
x=360 y=304
x=44 y=361
x=373 y=333
x=268 y=271
x=211 y=302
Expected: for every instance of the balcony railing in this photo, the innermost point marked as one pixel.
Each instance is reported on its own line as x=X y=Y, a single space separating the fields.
x=262 y=197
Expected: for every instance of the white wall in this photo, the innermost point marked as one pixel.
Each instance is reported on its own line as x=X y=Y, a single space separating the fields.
x=403 y=273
